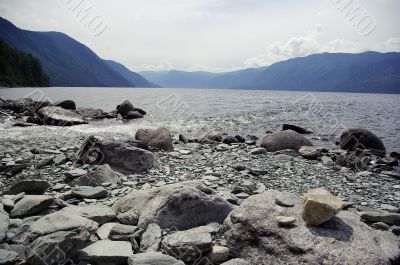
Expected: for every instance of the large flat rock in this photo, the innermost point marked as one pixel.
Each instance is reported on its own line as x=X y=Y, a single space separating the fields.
x=88 y=192
x=153 y=258
x=30 y=205
x=33 y=186
x=55 y=248
x=8 y=257
x=101 y=174
x=252 y=233
x=120 y=156
x=106 y=252
x=181 y=206
x=189 y=246
x=58 y=116
x=99 y=213
x=59 y=221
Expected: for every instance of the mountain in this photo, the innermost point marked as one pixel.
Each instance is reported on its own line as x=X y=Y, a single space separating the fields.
x=371 y=72
x=180 y=79
x=240 y=78
x=132 y=77
x=19 y=69
x=365 y=72
x=67 y=62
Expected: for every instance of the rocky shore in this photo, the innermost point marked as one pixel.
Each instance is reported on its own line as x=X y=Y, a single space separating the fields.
x=160 y=198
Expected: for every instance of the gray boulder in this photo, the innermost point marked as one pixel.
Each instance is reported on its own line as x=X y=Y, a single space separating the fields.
x=160 y=138
x=151 y=238
x=104 y=231
x=87 y=192
x=56 y=248
x=8 y=257
x=190 y=246
x=353 y=138
x=122 y=157
x=75 y=173
x=128 y=218
x=23 y=105
x=58 y=116
x=385 y=217
x=128 y=111
x=153 y=258
x=183 y=139
x=19 y=105
x=252 y=233
x=310 y=152
x=65 y=104
x=284 y=140
x=319 y=206
x=210 y=138
x=99 y=213
x=59 y=221
x=176 y=205
x=30 y=205
x=34 y=187
x=4 y=223
x=91 y=113
x=101 y=174
x=236 y=262
x=125 y=107
x=106 y=252
x=120 y=232
x=131 y=115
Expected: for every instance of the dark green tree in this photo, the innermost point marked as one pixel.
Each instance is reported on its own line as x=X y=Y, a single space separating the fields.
x=19 y=69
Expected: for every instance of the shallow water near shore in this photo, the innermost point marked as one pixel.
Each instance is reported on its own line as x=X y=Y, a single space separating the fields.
x=198 y=111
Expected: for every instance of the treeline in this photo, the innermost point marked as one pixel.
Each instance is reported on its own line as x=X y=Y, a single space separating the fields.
x=19 y=69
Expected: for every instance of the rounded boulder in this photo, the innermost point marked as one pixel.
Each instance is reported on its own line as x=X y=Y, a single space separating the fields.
x=284 y=140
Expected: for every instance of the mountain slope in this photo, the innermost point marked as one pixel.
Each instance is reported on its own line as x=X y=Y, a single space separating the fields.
x=180 y=79
x=236 y=79
x=133 y=77
x=67 y=62
x=19 y=69
x=364 y=72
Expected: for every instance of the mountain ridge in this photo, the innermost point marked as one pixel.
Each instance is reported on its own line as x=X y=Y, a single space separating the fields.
x=370 y=72
x=67 y=61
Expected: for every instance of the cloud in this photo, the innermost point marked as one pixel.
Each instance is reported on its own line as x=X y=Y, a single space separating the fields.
x=392 y=44
x=207 y=68
x=312 y=43
x=164 y=65
x=308 y=44
x=277 y=51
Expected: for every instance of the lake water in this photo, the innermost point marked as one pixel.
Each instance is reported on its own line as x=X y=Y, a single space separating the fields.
x=198 y=111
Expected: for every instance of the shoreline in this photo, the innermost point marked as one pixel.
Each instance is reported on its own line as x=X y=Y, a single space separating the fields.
x=56 y=177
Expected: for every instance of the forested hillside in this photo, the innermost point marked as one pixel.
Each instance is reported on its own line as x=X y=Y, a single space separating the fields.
x=20 y=69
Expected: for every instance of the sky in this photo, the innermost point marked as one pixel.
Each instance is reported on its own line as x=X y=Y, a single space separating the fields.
x=213 y=35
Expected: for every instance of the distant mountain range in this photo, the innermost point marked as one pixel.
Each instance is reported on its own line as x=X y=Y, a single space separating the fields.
x=371 y=72
x=67 y=61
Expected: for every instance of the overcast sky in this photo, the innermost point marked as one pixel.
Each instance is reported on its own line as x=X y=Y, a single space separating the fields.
x=216 y=35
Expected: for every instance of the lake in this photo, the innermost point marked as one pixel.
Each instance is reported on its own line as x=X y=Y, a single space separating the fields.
x=198 y=111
